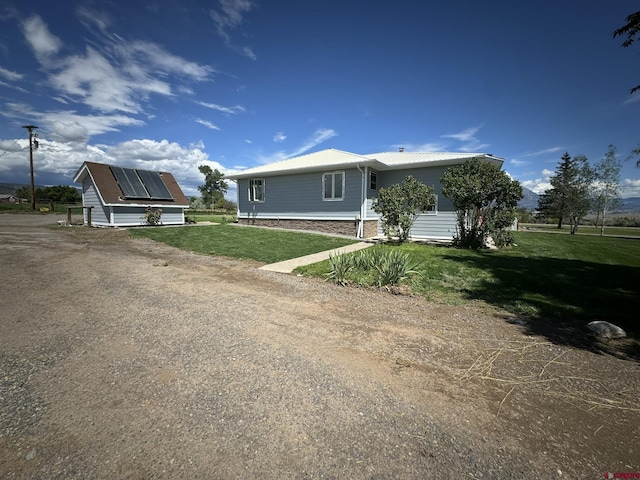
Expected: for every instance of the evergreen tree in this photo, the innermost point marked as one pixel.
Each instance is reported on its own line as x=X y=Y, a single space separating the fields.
x=569 y=195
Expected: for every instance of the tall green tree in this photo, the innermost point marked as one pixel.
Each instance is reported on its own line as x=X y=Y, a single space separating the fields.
x=606 y=187
x=214 y=186
x=485 y=199
x=400 y=204
x=569 y=196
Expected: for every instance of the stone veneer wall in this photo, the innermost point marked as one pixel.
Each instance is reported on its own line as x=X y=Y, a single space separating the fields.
x=338 y=227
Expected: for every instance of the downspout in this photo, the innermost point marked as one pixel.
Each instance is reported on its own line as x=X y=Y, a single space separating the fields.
x=363 y=199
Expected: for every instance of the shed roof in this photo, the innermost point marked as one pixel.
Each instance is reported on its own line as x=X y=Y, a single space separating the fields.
x=332 y=159
x=111 y=193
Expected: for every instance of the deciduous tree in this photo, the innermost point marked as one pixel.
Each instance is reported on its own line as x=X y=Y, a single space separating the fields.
x=400 y=204
x=606 y=187
x=214 y=186
x=485 y=199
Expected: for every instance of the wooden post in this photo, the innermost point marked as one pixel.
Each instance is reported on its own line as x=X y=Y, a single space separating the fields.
x=68 y=216
x=89 y=215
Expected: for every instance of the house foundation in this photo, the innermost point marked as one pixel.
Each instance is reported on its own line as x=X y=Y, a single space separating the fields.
x=334 y=227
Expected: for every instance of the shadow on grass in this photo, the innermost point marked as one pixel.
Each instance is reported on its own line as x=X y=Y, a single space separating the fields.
x=559 y=297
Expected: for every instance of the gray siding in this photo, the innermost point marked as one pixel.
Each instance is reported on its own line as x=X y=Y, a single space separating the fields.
x=429 y=176
x=90 y=198
x=441 y=225
x=299 y=196
x=132 y=216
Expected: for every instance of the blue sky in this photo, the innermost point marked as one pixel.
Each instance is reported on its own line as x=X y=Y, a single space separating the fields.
x=170 y=85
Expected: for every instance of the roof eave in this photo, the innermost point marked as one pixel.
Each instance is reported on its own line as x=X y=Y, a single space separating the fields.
x=315 y=168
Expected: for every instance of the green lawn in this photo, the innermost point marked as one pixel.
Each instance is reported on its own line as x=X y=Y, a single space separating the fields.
x=263 y=245
x=565 y=277
x=583 y=229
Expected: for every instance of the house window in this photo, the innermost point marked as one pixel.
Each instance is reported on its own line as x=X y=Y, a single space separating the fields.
x=373 y=181
x=333 y=186
x=256 y=190
x=433 y=209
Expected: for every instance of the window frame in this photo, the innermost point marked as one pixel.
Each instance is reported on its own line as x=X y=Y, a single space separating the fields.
x=332 y=175
x=433 y=210
x=251 y=190
x=373 y=180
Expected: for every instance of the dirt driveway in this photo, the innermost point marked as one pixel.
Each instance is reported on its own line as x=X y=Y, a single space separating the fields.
x=123 y=358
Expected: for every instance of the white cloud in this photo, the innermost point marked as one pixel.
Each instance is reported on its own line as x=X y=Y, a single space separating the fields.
x=279 y=137
x=69 y=132
x=94 y=124
x=420 y=147
x=517 y=163
x=92 y=18
x=229 y=16
x=470 y=142
x=43 y=43
x=319 y=136
x=548 y=173
x=230 y=110
x=61 y=160
x=546 y=151
x=112 y=74
x=207 y=124
x=630 y=188
x=10 y=75
x=539 y=185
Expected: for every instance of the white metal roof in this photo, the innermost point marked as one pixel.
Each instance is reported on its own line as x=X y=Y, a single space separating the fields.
x=333 y=159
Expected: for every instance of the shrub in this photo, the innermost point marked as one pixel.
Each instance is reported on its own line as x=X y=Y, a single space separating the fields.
x=152 y=217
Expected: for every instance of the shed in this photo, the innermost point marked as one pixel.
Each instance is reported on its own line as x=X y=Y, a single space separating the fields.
x=120 y=196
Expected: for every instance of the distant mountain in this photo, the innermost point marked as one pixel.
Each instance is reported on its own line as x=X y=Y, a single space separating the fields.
x=629 y=205
x=11 y=187
x=530 y=199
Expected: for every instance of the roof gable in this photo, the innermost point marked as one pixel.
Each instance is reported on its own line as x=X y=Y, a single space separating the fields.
x=111 y=192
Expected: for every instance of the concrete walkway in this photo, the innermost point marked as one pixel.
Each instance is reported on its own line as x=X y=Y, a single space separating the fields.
x=287 y=266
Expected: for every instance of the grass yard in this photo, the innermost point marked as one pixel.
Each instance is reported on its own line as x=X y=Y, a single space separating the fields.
x=229 y=240
x=583 y=229
x=564 y=277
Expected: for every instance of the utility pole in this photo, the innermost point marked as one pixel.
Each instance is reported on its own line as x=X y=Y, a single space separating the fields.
x=32 y=143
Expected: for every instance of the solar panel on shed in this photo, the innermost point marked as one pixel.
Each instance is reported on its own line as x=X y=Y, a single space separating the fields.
x=129 y=182
x=155 y=185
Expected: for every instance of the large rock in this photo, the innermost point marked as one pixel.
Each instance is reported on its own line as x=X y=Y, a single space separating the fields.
x=606 y=329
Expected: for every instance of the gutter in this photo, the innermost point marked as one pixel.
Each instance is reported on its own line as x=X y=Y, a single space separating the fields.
x=363 y=199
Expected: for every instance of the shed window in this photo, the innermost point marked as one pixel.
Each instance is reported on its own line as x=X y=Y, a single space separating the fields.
x=373 y=181
x=333 y=186
x=256 y=190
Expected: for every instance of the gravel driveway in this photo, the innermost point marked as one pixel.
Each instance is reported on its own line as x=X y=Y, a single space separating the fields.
x=124 y=358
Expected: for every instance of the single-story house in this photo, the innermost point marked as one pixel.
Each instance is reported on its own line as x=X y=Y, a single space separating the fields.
x=120 y=196
x=332 y=191
x=8 y=198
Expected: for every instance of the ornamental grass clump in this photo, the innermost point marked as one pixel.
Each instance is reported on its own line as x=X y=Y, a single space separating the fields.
x=372 y=267
x=341 y=265
x=393 y=267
